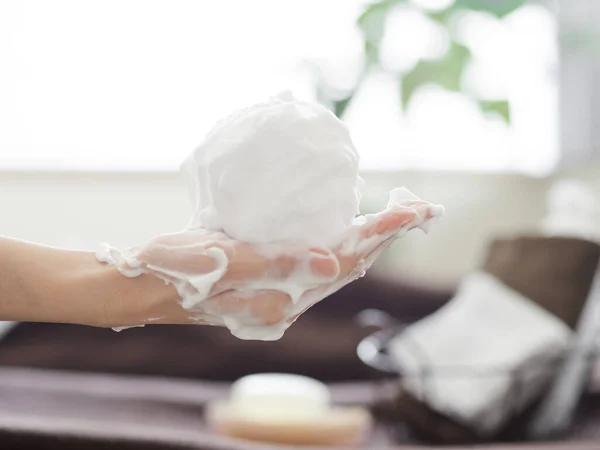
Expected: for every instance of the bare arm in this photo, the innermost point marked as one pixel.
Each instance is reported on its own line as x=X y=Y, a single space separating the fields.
x=43 y=284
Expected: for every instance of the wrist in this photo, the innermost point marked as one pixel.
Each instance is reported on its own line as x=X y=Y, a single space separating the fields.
x=101 y=296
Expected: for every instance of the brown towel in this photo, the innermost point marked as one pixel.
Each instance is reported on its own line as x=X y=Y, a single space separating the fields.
x=556 y=273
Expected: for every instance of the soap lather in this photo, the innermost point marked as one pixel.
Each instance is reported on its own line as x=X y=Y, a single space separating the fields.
x=282 y=175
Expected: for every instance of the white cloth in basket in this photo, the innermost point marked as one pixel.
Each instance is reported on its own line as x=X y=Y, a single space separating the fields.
x=488 y=350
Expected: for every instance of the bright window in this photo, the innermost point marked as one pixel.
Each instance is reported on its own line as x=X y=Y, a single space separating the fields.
x=135 y=84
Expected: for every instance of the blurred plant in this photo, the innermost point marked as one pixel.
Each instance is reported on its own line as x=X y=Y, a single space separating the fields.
x=446 y=71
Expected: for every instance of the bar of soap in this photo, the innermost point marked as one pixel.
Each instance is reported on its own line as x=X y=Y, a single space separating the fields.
x=287 y=409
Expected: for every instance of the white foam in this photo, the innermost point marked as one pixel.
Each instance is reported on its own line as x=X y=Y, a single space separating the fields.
x=277 y=171
x=281 y=176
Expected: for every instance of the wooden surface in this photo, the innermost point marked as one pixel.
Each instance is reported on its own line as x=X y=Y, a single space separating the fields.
x=51 y=409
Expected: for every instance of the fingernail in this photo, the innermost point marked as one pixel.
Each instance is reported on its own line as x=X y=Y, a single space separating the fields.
x=325 y=266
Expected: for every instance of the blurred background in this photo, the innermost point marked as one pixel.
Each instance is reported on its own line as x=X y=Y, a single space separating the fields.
x=479 y=105
x=475 y=104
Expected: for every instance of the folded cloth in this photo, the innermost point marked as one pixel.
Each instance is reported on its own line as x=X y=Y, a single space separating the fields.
x=556 y=273
x=483 y=356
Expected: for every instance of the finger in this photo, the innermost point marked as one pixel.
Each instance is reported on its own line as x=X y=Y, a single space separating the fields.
x=189 y=253
x=190 y=258
x=368 y=236
x=399 y=216
x=394 y=222
x=248 y=264
x=381 y=247
x=326 y=267
x=314 y=296
x=264 y=307
x=378 y=232
x=389 y=221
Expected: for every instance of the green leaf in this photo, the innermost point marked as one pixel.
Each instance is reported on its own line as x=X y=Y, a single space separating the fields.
x=443 y=17
x=371 y=53
x=500 y=107
x=498 y=8
x=446 y=72
x=340 y=106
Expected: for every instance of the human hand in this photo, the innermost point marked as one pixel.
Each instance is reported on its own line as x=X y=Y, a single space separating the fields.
x=256 y=291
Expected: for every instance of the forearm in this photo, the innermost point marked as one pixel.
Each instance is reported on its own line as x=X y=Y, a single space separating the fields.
x=43 y=284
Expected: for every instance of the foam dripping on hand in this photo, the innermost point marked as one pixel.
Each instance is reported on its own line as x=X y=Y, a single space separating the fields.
x=280 y=177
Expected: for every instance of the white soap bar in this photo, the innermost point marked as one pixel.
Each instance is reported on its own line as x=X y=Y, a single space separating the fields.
x=287 y=409
x=279 y=396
